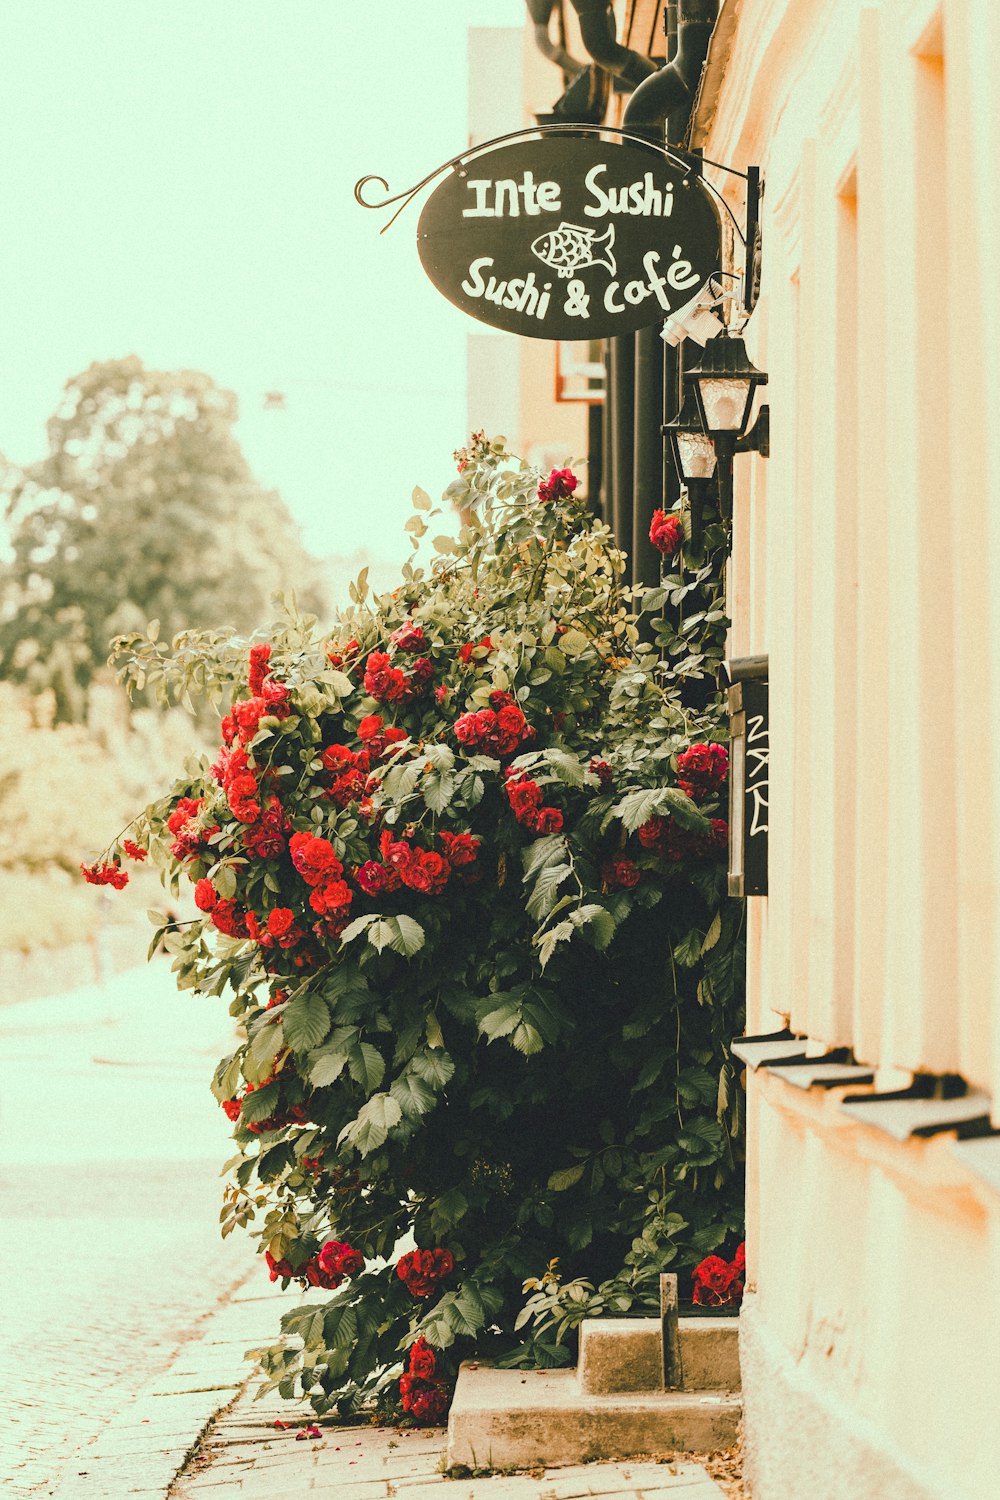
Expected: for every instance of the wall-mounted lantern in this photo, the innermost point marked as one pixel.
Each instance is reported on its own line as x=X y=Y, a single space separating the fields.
x=749 y=774
x=694 y=458
x=722 y=385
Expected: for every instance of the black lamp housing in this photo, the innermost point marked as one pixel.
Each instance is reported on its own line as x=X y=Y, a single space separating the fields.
x=724 y=381
x=694 y=457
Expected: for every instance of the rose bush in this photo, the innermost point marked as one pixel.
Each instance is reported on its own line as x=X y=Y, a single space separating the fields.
x=462 y=869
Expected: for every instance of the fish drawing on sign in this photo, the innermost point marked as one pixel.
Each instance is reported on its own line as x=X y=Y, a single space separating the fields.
x=569 y=248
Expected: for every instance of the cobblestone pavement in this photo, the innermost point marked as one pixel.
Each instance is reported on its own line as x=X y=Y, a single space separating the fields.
x=110 y=1148
x=246 y=1457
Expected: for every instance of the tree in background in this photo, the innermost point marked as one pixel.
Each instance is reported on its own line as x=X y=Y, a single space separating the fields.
x=145 y=508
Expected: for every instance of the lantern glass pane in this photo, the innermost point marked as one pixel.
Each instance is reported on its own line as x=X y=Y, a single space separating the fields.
x=725 y=402
x=697 y=455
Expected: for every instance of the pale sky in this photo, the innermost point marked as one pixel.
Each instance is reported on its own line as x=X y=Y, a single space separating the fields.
x=177 y=183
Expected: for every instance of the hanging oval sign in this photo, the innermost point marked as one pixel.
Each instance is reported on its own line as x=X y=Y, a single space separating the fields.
x=570 y=237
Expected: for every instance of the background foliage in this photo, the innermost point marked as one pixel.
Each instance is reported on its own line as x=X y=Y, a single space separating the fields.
x=524 y=1060
x=144 y=508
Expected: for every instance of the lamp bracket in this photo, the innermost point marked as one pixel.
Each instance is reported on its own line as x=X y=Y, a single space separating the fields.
x=758 y=438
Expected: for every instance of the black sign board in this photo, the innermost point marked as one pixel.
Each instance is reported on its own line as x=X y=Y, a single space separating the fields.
x=749 y=749
x=570 y=236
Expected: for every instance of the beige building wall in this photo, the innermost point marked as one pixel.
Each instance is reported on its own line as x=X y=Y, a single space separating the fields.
x=866 y=554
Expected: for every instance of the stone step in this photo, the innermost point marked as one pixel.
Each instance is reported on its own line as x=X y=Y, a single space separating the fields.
x=626 y=1354
x=525 y=1418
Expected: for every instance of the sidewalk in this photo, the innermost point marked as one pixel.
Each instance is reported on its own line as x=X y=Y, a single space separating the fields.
x=197 y=1432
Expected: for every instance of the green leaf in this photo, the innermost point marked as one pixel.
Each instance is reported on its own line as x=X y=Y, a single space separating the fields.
x=261 y=1104
x=421 y=499
x=549 y=850
x=682 y=809
x=326 y=1066
x=438 y=790
x=637 y=807
x=527 y=1039
x=567 y=767
x=263 y=1049
x=356 y=928
x=574 y=643
x=598 y=925
x=380 y=933
x=371 y=1129
x=408 y=935
x=306 y=1021
x=224 y=881
x=567 y=1178
x=227 y=1077
x=434 y=1067
x=543 y=895
x=341 y=1327
x=688 y=951
x=412 y=1094
x=367 y=1066
x=713 y=934
x=550 y=940
x=502 y=1021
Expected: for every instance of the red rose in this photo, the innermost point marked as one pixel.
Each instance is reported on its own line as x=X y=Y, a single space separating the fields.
x=560 y=484
x=421 y=1270
x=666 y=532
x=702 y=769
x=409 y=637
x=467 y=651
x=134 y=851
x=105 y=874
x=204 y=895
x=370 y=727
x=232 y=1108
x=331 y=895
x=278 y=1268
x=524 y=796
x=425 y=871
x=712 y=1281
x=259 y=658
x=422 y=1361
x=229 y=918
x=548 y=820
x=268 y=837
x=280 y=920
x=314 y=858
x=603 y=772
x=186 y=809
x=425 y=1400
x=740 y=1260
x=397 y=853
x=620 y=874
x=465 y=729
x=460 y=848
x=337 y=1258
x=375 y=878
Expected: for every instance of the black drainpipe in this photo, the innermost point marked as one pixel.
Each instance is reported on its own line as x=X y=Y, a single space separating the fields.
x=540 y=12
x=622 y=396
x=600 y=37
x=666 y=96
x=662 y=104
